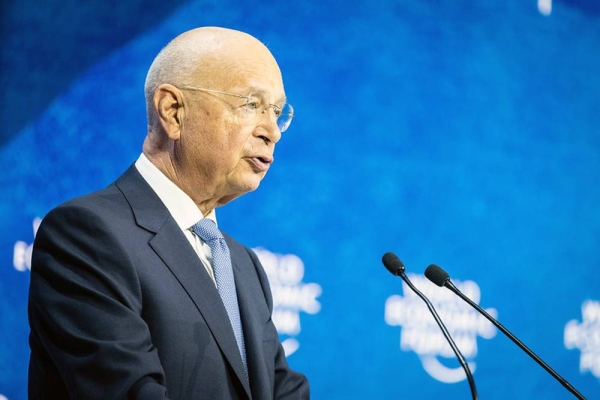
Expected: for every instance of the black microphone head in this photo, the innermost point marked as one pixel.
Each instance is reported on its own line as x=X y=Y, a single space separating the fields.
x=393 y=263
x=437 y=275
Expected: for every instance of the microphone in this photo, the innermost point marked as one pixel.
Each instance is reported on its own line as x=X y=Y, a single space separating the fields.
x=395 y=266
x=441 y=278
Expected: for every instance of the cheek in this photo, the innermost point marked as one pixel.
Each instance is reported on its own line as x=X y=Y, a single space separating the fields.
x=239 y=140
x=221 y=141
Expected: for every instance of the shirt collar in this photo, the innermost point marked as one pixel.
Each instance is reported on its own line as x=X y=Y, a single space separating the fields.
x=180 y=205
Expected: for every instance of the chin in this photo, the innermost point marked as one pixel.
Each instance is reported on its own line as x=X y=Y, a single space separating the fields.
x=245 y=183
x=252 y=188
x=247 y=187
x=253 y=182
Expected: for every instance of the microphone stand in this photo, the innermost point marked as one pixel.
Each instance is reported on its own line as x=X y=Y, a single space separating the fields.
x=460 y=357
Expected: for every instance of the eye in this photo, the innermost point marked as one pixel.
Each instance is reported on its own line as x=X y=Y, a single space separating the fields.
x=276 y=111
x=252 y=105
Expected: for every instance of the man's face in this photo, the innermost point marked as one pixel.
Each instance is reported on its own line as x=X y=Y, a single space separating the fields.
x=217 y=148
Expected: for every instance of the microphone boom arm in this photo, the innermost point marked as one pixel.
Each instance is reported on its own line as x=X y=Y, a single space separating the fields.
x=448 y=284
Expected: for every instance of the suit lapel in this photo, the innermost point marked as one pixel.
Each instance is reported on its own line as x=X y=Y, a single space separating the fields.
x=254 y=319
x=171 y=245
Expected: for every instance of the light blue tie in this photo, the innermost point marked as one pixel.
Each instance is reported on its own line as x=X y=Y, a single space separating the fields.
x=208 y=231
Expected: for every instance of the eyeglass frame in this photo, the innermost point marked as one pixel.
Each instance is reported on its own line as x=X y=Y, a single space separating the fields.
x=282 y=128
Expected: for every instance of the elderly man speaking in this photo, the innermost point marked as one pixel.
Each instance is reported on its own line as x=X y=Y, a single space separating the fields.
x=135 y=292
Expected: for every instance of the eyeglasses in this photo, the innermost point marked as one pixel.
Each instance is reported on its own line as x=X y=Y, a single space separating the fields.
x=255 y=109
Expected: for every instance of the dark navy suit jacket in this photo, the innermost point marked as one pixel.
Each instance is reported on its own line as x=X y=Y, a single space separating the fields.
x=120 y=306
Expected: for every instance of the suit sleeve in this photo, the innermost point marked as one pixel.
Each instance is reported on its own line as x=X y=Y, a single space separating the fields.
x=289 y=384
x=88 y=339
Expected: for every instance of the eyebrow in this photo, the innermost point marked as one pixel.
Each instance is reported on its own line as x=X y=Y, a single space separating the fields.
x=253 y=90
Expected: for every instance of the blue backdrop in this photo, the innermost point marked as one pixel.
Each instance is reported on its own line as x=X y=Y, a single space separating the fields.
x=461 y=133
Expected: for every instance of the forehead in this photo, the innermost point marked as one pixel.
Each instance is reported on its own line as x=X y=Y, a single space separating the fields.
x=250 y=69
x=273 y=96
x=266 y=82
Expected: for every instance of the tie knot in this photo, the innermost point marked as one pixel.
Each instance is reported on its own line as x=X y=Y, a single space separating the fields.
x=207 y=230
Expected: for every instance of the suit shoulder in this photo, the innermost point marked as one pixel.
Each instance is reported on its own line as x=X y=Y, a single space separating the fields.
x=108 y=199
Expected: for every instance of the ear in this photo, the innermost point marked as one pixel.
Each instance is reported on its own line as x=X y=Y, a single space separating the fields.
x=168 y=103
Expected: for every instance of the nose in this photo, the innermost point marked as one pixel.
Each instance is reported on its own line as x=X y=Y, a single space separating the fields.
x=269 y=123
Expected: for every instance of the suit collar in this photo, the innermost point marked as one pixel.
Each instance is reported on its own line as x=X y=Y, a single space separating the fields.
x=147 y=208
x=181 y=206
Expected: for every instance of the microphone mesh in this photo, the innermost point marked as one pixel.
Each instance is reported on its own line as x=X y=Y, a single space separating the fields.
x=436 y=275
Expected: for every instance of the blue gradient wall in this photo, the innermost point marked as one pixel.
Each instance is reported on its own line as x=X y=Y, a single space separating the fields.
x=465 y=134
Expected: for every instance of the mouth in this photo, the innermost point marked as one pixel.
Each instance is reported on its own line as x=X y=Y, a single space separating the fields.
x=260 y=163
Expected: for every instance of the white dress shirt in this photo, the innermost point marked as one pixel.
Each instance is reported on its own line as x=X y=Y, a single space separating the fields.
x=182 y=208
